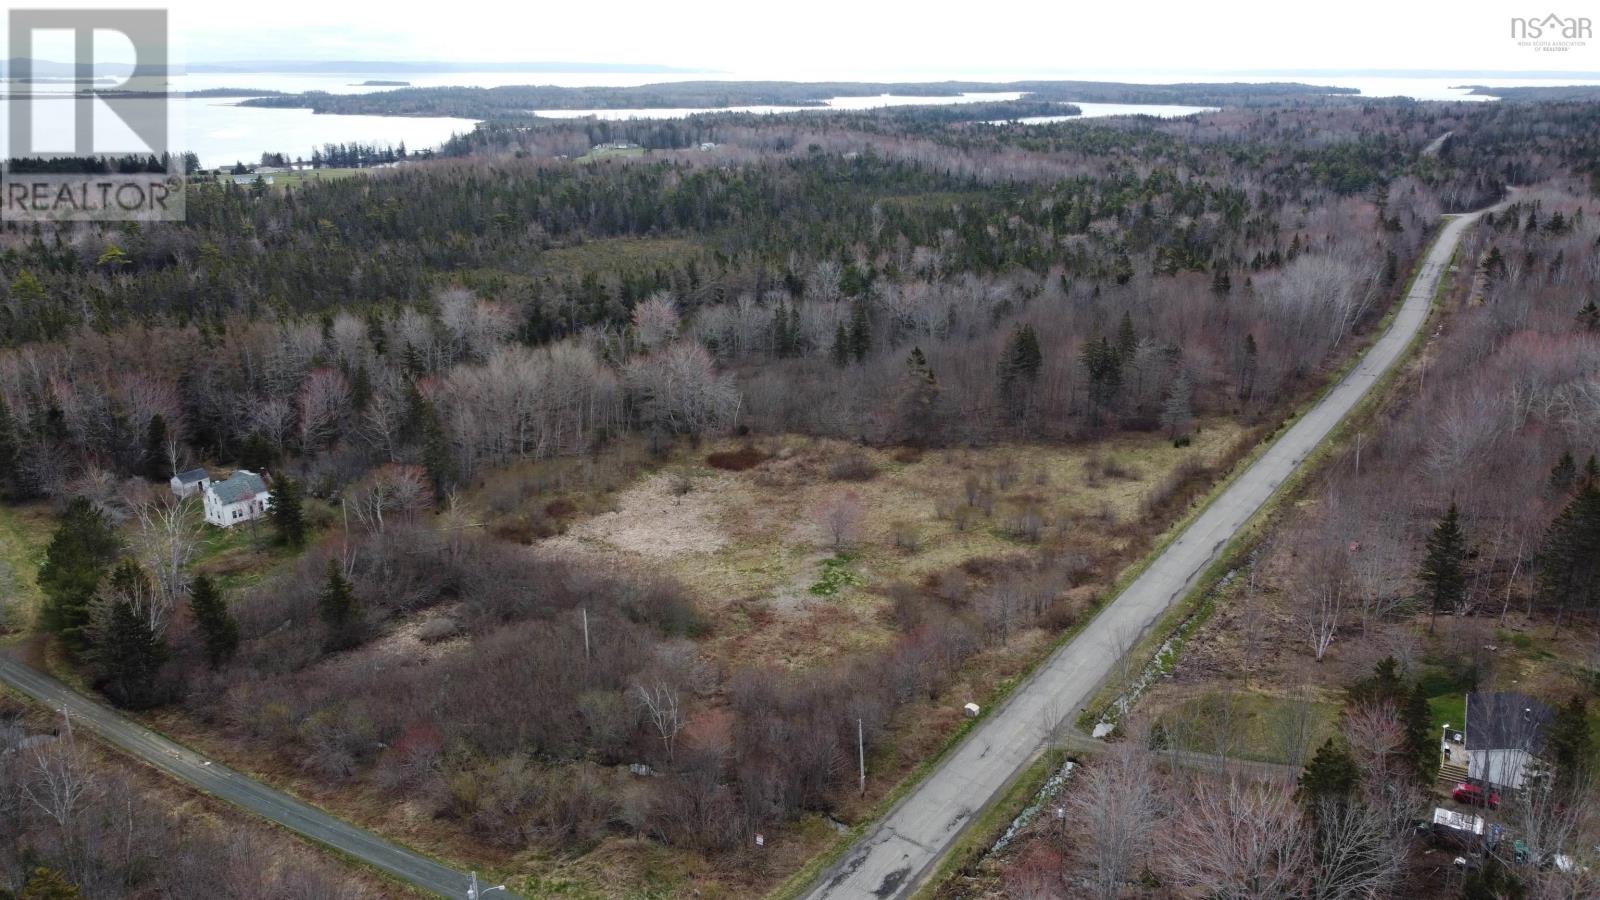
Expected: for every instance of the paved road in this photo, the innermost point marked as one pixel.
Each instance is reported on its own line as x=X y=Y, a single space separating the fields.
x=892 y=859
x=240 y=790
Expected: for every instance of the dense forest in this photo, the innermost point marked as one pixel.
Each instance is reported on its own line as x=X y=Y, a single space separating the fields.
x=430 y=361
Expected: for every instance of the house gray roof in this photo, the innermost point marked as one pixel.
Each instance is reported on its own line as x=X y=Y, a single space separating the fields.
x=241 y=485
x=1506 y=721
x=191 y=476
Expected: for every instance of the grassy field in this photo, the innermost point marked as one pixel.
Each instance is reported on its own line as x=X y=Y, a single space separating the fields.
x=616 y=255
x=752 y=547
x=600 y=153
x=301 y=179
x=24 y=533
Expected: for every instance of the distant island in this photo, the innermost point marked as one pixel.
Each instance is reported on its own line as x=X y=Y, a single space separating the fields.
x=378 y=82
x=519 y=101
x=1541 y=92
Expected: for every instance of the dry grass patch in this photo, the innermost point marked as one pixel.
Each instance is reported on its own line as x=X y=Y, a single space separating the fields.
x=756 y=531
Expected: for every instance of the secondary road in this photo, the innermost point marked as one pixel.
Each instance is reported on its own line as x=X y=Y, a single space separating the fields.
x=240 y=790
x=893 y=858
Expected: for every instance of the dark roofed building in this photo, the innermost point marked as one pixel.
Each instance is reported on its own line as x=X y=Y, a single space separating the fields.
x=1502 y=734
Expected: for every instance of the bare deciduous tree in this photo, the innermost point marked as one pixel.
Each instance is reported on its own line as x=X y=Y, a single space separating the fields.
x=1235 y=839
x=840 y=517
x=661 y=703
x=1117 y=803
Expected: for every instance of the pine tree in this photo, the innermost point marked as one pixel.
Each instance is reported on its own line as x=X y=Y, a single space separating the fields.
x=1221 y=283
x=860 y=330
x=256 y=453
x=287 y=513
x=1442 y=573
x=1569 y=747
x=155 y=450
x=1589 y=316
x=1564 y=473
x=218 y=630
x=127 y=654
x=1104 y=368
x=1569 y=564
x=83 y=547
x=919 y=403
x=337 y=607
x=1331 y=775
x=10 y=455
x=437 y=457
x=1019 y=369
x=1127 y=339
x=1421 y=745
x=1247 y=369
x=360 y=389
x=841 y=347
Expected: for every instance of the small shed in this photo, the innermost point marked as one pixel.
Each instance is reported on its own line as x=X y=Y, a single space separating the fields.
x=187 y=484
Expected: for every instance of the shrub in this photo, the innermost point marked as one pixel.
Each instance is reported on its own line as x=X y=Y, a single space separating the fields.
x=852 y=466
x=746 y=457
x=907 y=536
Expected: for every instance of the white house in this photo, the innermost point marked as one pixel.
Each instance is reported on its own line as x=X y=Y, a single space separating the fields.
x=187 y=484
x=1503 y=733
x=240 y=497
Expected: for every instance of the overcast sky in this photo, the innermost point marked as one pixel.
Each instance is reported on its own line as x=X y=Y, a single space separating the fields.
x=819 y=38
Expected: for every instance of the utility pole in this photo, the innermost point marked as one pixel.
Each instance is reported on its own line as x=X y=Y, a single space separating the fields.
x=861 y=754
x=584 y=611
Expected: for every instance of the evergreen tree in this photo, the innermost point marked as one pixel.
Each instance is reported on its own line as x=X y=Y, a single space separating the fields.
x=860 y=330
x=1589 y=316
x=1442 y=567
x=1221 y=283
x=1569 y=564
x=1492 y=881
x=841 y=347
x=360 y=389
x=919 y=405
x=155 y=450
x=1384 y=685
x=49 y=884
x=437 y=457
x=256 y=453
x=83 y=547
x=10 y=455
x=1422 y=743
x=128 y=654
x=1247 y=369
x=1331 y=775
x=1127 y=339
x=218 y=630
x=1564 y=473
x=1104 y=368
x=337 y=607
x=287 y=513
x=1569 y=748
x=1019 y=369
